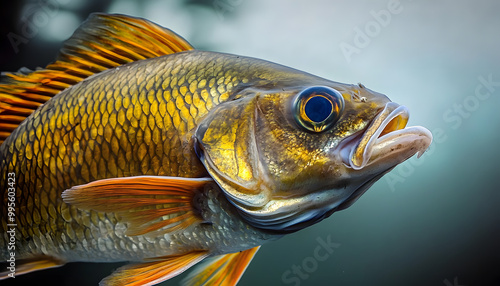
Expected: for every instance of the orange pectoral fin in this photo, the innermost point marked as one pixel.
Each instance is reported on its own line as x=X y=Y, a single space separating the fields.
x=152 y=273
x=148 y=203
x=224 y=270
x=24 y=266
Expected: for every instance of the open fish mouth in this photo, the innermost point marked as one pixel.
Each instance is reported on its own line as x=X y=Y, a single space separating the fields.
x=387 y=140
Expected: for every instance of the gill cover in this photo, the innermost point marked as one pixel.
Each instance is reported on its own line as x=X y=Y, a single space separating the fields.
x=228 y=151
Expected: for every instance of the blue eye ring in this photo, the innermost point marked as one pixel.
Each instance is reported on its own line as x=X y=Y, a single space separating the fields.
x=317 y=108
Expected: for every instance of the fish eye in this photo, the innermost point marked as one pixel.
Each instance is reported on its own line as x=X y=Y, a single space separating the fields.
x=317 y=108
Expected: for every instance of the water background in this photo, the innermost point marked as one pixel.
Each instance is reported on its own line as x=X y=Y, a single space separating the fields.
x=432 y=221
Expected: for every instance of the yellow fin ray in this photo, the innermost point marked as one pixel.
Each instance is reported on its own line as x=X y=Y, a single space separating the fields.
x=40 y=262
x=147 y=203
x=152 y=273
x=223 y=270
x=102 y=42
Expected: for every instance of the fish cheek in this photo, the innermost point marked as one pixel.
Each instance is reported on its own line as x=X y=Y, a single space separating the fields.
x=297 y=162
x=289 y=155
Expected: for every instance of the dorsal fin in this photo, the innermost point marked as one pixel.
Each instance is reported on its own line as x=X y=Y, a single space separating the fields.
x=102 y=42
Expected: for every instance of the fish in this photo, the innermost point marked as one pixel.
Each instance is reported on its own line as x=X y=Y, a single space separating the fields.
x=134 y=146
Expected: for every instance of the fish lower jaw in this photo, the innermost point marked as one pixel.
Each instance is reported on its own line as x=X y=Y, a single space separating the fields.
x=387 y=141
x=401 y=145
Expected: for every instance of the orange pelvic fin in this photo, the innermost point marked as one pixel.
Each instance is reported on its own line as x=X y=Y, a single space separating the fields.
x=24 y=266
x=152 y=273
x=224 y=270
x=102 y=42
x=150 y=204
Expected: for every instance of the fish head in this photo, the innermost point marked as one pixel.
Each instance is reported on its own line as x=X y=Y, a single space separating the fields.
x=289 y=157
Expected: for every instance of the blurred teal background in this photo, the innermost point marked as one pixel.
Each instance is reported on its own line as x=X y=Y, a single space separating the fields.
x=431 y=221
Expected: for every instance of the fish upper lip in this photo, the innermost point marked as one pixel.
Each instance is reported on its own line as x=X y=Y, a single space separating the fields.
x=386 y=134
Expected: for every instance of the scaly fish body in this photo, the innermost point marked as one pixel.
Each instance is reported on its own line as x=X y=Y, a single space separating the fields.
x=133 y=120
x=165 y=155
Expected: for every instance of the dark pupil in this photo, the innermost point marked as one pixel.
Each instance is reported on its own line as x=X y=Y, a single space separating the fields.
x=318 y=108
